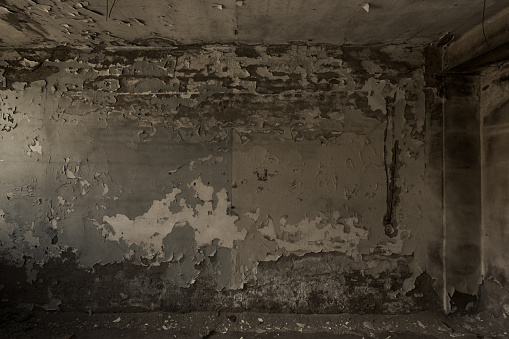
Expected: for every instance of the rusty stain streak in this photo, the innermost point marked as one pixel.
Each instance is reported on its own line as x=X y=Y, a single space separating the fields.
x=390 y=222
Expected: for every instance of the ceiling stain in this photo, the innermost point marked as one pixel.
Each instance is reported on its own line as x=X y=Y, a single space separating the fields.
x=76 y=23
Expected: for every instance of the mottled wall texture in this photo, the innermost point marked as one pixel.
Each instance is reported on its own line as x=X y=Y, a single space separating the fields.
x=462 y=192
x=281 y=178
x=495 y=196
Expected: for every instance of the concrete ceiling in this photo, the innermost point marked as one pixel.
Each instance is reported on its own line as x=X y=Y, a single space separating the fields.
x=48 y=23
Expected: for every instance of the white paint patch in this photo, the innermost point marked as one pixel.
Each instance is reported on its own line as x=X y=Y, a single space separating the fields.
x=61 y=201
x=202 y=191
x=69 y=174
x=268 y=230
x=19 y=86
x=84 y=186
x=36 y=146
x=376 y=99
x=29 y=63
x=149 y=229
x=105 y=189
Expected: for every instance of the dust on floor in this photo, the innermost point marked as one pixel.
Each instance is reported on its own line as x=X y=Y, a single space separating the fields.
x=20 y=323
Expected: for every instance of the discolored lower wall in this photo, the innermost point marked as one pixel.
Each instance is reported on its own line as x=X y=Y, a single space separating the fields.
x=495 y=112
x=462 y=192
x=283 y=178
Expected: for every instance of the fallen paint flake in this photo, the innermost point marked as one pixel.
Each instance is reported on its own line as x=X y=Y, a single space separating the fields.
x=218 y=6
x=365 y=6
x=116 y=320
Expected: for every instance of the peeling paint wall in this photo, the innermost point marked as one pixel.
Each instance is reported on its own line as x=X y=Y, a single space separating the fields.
x=193 y=177
x=494 y=110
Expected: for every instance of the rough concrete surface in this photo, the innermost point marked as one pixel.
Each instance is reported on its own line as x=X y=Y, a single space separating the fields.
x=494 y=109
x=462 y=189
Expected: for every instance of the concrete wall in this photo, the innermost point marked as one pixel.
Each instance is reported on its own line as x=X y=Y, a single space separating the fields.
x=495 y=123
x=271 y=178
x=462 y=192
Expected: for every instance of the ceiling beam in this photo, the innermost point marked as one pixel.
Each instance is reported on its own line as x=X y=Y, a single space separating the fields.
x=474 y=46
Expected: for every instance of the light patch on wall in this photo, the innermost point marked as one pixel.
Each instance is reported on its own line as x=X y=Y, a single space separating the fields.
x=321 y=235
x=377 y=90
x=35 y=146
x=149 y=230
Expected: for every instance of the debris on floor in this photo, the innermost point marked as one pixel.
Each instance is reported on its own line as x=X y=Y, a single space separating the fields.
x=20 y=323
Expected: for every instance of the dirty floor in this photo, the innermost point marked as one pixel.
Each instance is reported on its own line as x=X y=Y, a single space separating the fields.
x=41 y=324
